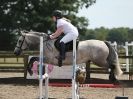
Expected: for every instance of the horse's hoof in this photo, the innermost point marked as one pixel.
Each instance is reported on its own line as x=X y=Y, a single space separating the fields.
x=116 y=82
x=30 y=72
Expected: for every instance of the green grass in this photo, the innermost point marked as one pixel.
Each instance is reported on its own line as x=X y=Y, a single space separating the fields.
x=11 y=62
x=20 y=62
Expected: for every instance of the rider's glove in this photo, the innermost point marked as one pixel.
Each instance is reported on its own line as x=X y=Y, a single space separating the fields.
x=50 y=37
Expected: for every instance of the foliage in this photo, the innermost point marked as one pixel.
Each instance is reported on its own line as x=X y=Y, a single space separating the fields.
x=35 y=15
x=120 y=35
x=101 y=33
x=130 y=35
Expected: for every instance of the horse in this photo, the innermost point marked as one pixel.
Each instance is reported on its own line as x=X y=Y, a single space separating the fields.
x=101 y=53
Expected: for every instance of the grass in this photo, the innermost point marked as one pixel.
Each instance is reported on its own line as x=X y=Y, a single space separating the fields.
x=11 y=62
x=20 y=62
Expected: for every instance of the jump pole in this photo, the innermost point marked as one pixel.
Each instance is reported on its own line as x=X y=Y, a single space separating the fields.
x=41 y=76
x=75 y=85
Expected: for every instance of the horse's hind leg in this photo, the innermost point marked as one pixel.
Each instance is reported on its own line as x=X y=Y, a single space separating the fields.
x=87 y=72
x=112 y=77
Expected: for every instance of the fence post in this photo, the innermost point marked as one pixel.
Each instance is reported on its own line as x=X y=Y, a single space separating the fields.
x=25 y=65
x=88 y=71
x=127 y=60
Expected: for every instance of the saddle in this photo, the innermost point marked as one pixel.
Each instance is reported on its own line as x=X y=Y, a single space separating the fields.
x=68 y=46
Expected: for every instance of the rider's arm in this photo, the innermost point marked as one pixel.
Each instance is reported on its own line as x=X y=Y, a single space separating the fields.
x=57 y=33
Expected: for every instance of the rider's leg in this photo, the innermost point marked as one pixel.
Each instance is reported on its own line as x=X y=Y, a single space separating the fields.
x=62 y=50
x=67 y=38
x=61 y=54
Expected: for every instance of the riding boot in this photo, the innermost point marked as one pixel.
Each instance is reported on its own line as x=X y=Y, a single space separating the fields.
x=62 y=53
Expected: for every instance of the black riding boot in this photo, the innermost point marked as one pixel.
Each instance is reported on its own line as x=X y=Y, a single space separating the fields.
x=62 y=53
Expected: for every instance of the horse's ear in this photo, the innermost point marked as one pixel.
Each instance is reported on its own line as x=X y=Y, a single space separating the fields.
x=22 y=33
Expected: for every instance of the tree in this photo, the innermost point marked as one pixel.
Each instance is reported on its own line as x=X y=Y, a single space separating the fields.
x=101 y=33
x=89 y=34
x=36 y=15
x=120 y=35
x=130 y=35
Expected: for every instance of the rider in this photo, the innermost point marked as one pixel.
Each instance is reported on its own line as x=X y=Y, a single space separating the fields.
x=63 y=26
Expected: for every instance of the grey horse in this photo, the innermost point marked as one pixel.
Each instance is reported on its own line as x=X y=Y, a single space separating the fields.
x=99 y=52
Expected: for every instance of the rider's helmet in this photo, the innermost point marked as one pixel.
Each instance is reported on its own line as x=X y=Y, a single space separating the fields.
x=58 y=14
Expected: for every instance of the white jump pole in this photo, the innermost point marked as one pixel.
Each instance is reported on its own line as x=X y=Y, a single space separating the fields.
x=127 y=60
x=41 y=68
x=75 y=94
x=41 y=76
x=46 y=82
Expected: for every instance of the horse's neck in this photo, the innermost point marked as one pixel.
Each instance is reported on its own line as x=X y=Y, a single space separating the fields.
x=33 y=40
x=49 y=44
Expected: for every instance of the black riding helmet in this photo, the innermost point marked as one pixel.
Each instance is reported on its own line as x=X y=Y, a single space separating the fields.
x=57 y=14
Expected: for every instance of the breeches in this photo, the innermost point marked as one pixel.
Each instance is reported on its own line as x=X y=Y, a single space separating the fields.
x=68 y=37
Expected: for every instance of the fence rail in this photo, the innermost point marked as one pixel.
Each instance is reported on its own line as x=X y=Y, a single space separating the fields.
x=11 y=69
x=20 y=63
x=11 y=63
x=103 y=71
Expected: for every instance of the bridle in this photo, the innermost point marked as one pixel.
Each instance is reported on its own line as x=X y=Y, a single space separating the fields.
x=20 y=47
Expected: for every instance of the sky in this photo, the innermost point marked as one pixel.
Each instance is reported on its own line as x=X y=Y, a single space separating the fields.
x=109 y=13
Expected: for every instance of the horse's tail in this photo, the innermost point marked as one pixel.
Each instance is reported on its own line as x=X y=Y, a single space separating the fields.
x=113 y=60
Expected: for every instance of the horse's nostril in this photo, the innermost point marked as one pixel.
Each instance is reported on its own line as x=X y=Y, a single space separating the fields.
x=17 y=52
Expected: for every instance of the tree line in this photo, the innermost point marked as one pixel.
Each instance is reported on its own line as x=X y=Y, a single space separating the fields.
x=120 y=35
x=16 y=15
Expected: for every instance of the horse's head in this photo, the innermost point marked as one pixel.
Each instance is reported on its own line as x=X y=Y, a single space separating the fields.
x=28 y=39
x=21 y=44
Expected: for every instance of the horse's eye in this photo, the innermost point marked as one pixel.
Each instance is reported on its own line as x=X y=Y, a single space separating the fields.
x=19 y=41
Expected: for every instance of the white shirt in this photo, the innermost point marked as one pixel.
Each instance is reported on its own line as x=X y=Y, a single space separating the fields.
x=67 y=27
